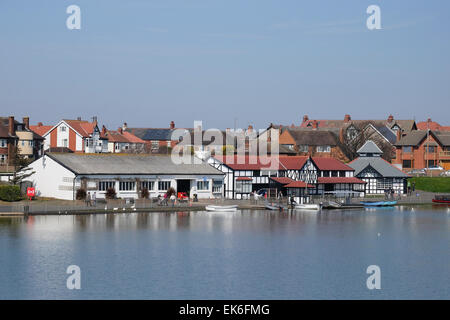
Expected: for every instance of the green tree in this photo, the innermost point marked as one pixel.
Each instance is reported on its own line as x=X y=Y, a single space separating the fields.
x=20 y=163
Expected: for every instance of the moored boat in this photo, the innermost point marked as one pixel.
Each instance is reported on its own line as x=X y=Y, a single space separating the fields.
x=307 y=206
x=378 y=203
x=444 y=199
x=213 y=208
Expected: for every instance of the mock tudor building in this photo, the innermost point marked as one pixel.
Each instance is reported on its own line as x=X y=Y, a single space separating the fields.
x=378 y=174
x=246 y=174
x=61 y=175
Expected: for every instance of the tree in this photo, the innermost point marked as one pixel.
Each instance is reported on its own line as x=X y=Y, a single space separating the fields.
x=350 y=144
x=20 y=163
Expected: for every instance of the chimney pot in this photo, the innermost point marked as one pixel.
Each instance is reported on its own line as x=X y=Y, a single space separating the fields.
x=347 y=118
x=79 y=118
x=120 y=130
x=26 y=122
x=305 y=118
x=390 y=118
x=124 y=126
x=40 y=124
x=429 y=120
x=172 y=125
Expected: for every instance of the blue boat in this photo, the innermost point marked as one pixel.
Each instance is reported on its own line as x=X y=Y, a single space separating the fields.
x=378 y=203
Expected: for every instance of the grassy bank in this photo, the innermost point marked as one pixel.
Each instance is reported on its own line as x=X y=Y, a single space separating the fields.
x=435 y=184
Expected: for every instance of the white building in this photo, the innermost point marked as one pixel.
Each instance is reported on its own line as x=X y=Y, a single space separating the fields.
x=60 y=175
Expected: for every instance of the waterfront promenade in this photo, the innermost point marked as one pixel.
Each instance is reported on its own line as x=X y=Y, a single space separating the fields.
x=61 y=207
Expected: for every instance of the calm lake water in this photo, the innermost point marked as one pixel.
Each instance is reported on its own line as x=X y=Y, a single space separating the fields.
x=243 y=255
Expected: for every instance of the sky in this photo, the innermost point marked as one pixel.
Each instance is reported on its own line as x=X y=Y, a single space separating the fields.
x=226 y=63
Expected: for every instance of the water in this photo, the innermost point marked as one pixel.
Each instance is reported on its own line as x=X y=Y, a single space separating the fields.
x=243 y=255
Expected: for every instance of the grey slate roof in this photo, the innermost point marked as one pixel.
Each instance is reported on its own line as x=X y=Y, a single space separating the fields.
x=369 y=147
x=388 y=134
x=313 y=137
x=414 y=138
x=379 y=164
x=128 y=164
x=149 y=134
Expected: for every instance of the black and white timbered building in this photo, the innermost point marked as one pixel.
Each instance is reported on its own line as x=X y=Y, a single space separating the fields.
x=319 y=175
x=378 y=174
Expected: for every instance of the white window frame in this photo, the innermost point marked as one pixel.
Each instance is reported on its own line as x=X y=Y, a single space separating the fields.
x=202 y=185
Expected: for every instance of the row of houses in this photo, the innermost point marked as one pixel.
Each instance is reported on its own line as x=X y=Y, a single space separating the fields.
x=60 y=175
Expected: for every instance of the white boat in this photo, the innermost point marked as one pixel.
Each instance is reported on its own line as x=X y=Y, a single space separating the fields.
x=231 y=208
x=307 y=206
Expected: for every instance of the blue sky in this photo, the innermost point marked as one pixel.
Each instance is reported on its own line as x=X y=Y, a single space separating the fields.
x=259 y=61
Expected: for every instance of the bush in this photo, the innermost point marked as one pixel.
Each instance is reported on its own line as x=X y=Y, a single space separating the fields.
x=110 y=193
x=144 y=193
x=10 y=193
x=81 y=194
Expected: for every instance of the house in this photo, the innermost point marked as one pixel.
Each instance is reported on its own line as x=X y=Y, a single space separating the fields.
x=158 y=140
x=14 y=133
x=313 y=142
x=423 y=149
x=378 y=174
x=431 y=125
x=61 y=175
x=246 y=174
x=123 y=142
x=77 y=135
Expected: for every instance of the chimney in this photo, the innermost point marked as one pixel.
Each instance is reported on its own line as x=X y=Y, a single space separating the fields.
x=94 y=119
x=347 y=118
x=124 y=126
x=79 y=118
x=314 y=124
x=399 y=134
x=120 y=130
x=429 y=120
x=172 y=125
x=305 y=118
x=40 y=124
x=26 y=122
x=103 y=130
x=341 y=135
x=390 y=118
x=12 y=130
x=250 y=128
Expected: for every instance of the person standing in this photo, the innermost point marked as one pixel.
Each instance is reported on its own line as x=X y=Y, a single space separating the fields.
x=94 y=199
x=88 y=199
x=413 y=186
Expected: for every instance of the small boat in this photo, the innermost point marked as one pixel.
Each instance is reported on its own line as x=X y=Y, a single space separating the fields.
x=307 y=206
x=444 y=199
x=378 y=203
x=274 y=207
x=213 y=208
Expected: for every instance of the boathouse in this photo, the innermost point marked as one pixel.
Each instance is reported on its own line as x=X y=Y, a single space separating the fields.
x=378 y=174
x=61 y=175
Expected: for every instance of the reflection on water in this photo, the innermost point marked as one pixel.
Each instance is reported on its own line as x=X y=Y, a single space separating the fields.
x=246 y=254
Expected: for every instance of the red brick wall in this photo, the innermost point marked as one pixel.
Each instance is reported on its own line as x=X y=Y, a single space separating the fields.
x=53 y=137
x=72 y=140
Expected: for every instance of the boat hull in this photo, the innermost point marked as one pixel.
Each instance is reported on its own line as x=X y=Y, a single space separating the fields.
x=307 y=207
x=379 y=203
x=221 y=208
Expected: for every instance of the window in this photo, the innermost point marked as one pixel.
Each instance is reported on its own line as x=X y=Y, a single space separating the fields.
x=23 y=143
x=117 y=147
x=407 y=149
x=127 y=185
x=163 y=185
x=431 y=149
x=217 y=186
x=326 y=173
x=62 y=129
x=31 y=143
x=303 y=148
x=256 y=173
x=202 y=185
x=155 y=145
x=105 y=185
x=385 y=183
x=334 y=173
x=243 y=186
x=323 y=149
x=407 y=164
x=149 y=185
x=64 y=142
x=3 y=158
x=432 y=163
x=3 y=143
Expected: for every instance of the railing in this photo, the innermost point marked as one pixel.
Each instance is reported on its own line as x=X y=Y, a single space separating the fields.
x=444 y=154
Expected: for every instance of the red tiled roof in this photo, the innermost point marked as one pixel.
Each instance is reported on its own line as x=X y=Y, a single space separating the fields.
x=298 y=184
x=327 y=180
x=244 y=179
x=40 y=130
x=132 y=138
x=84 y=128
x=282 y=180
x=330 y=164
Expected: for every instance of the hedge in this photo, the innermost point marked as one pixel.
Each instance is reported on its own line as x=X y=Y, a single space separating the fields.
x=10 y=193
